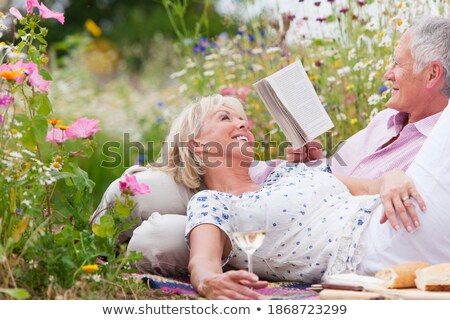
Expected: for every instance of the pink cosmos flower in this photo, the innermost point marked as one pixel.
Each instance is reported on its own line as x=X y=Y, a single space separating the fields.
x=56 y=135
x=30 y=69
x=82 y=128
x=131 y=186
x=31 y=4
x=46 y=13
x=15 y=13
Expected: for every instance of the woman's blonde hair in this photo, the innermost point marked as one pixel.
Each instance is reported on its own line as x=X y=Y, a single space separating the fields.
x=176 y=156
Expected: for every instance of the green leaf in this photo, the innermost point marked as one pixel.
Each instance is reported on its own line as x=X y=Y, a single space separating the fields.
x=44 y=73
x=121 y=209
x=39 y=127
x=105 y=228
x=16 y=293
x=41 y=39
x=40 y=102
x=83 y=177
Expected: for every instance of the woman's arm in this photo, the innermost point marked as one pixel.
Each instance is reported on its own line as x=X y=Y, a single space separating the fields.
x=396 y=190
x=208 y=246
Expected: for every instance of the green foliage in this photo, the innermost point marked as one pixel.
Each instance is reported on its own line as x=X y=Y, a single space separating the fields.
x=345 y=56
x=45 y=196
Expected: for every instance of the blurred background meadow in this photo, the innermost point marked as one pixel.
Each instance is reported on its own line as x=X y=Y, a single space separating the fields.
x=133 y=65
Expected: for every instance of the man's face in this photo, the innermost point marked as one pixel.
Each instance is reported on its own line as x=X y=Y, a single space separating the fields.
x=408 y=89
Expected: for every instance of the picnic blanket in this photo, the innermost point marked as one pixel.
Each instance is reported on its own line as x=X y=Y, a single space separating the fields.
x=274 y=291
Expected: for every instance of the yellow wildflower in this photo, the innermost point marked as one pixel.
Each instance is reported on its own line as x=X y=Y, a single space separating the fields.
x=400 y=4
x=59 y=159
x=349 y=87
x=90 y=268
x=354 y=121
x=53 y=121
x=93 y=28
x=62 y=127
x=12 y=74
x=312 y=78
x=399 y=22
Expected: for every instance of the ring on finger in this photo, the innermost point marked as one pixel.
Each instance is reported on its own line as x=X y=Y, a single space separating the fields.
x=405 y=198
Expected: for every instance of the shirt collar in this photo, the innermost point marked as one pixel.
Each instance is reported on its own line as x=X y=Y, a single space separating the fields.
x=424 y=126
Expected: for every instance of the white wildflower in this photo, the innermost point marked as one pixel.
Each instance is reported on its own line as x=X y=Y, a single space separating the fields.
x=15 y=154
x=17 y=123
x=373 y=113
x=26 y=203
x=190 y=65
x=96 y=277
x=16 y=134
x=178 y=74
x=322 y=99
x=341 y=116
x=273 y=49
x=211 y=56
x=372 y=76
x=331 y=79
x=380 y=64
x=372 y=25
x=237 y=57
x=373 y=99
x=55 y=166
x=230 y=77
x=257 y=51
x=209 y=73
x=33 y=264
x=229 y=64
x=28 y=152
x=352 y=54
x=386 y=41
x=182 y=88
x=209 y=65
x=257 y=67
x=358 y=66
x=343 y=71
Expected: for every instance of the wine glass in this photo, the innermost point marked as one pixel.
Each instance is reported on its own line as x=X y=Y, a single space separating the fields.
x=248 y=226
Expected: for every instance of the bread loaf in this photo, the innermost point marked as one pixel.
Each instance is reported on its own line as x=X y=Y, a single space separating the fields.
x=401 y=275
x=434 y=278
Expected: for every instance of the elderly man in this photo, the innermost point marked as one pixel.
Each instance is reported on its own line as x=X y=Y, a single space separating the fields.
x=420 y=76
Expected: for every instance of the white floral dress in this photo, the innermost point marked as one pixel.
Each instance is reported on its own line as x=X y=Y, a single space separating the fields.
x=314 y=226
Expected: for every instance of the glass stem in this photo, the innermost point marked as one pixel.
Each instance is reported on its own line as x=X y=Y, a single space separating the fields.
x=250 y=264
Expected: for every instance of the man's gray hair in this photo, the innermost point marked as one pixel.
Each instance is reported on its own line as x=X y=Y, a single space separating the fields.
x=431 y=42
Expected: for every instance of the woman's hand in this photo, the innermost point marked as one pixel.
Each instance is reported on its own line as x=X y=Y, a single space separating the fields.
x=396 y=190
x=235 y=285
x=312 y=150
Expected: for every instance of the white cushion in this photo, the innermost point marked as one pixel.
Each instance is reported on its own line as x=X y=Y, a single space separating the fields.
x=166 y=196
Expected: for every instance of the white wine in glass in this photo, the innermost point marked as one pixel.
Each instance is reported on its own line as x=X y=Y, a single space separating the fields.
x=248 y=226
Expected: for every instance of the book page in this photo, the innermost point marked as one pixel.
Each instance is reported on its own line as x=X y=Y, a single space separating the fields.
x=294 y=89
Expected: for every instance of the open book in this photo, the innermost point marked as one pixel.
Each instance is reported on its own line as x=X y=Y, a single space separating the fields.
x=291 y=99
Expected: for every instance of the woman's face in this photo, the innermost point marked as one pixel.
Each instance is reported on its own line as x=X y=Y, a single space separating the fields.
x=226 y=134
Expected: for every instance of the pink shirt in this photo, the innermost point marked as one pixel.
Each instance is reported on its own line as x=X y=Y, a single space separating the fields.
x=362 y=155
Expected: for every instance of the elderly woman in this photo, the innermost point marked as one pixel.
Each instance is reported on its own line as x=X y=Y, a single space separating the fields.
x=318 y=223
